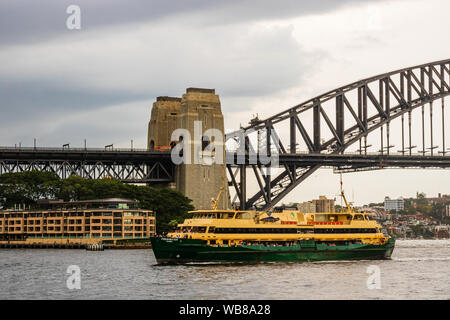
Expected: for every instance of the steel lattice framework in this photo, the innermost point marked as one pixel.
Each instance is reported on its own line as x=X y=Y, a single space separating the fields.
x=131 y=166
x=349 y=114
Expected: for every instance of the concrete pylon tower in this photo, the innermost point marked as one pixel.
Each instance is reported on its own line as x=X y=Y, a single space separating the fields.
x=163 y=122
x=198 y=181
x=197 y=112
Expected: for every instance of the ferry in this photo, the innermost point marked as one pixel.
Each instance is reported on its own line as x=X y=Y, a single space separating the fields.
x=228 y=236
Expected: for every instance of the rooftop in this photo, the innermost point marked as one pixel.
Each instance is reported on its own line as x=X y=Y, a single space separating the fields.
x=201 y=90
x=96 y=201
x=166 y=98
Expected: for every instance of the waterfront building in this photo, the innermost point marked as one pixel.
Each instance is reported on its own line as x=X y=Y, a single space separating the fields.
x=87 y=221
x=320 y=205
x=394 y=204
x=442 y=231
x=307 y=207
x=324 y=205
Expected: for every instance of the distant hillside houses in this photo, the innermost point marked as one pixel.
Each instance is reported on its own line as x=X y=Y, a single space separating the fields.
x=440 y=199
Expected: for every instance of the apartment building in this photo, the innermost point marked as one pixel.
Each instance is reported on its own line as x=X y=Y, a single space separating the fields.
x=78 y=221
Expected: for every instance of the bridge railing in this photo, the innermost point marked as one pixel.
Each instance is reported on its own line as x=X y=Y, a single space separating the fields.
x=50 y=149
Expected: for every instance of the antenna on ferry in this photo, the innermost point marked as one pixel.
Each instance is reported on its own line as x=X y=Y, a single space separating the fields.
x=215 y=201
x=342 y=191
x=349 y=209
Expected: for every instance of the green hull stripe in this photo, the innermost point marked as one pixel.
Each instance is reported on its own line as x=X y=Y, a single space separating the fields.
x=188 y=250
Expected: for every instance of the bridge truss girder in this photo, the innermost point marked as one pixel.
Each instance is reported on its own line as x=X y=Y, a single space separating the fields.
x=392 y=95
x=129 y=166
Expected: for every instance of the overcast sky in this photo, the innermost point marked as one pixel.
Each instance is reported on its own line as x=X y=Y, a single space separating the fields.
x=62 y=86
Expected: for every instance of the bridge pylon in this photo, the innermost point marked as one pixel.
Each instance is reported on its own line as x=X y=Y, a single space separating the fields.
x=197 y=112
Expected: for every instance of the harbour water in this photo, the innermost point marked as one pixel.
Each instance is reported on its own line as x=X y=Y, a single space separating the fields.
x=419 y=269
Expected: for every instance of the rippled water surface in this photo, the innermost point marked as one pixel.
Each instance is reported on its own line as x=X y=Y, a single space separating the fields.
x=419 y=269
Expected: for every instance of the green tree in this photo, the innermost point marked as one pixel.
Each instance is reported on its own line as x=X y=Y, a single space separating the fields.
x=421 y=199
x=27 y=187
x=169 y=205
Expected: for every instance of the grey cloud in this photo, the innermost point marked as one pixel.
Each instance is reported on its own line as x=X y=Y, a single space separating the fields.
x=103 y=67
x=27 y=99
x=113 y=124
x=30 y=21
x=238 y=63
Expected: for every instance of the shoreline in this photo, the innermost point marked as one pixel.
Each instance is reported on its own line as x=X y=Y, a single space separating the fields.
x=71 y=246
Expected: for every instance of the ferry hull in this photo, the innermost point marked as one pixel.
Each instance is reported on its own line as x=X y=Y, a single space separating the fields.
x=179 y=251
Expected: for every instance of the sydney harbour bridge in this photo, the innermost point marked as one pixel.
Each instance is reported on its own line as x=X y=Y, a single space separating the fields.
x=386 y=121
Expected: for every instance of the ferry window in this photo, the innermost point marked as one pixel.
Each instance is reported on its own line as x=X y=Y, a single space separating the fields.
x=199 y=229
x=243 y=215
x=321 y=217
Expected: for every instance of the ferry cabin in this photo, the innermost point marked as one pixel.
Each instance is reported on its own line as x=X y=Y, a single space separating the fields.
x=229 y=227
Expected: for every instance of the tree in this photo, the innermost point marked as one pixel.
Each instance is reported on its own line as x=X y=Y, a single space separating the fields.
x=421 y=198
x=27 y=187
x=169 y=205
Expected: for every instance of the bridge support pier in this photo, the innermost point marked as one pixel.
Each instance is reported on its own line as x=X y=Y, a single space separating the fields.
x=197 y=110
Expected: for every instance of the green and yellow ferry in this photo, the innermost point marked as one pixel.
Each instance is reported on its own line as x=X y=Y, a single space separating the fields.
x=287 y=235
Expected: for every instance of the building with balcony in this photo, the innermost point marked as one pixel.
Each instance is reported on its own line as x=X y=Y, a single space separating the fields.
x=87 y=221
x=315 y=206
x=394 y=204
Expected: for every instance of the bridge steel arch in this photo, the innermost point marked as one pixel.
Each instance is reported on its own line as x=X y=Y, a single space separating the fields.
x=391 y=95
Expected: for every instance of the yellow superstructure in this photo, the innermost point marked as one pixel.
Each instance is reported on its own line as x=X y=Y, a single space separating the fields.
x=232 y=227
x=229 y=227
